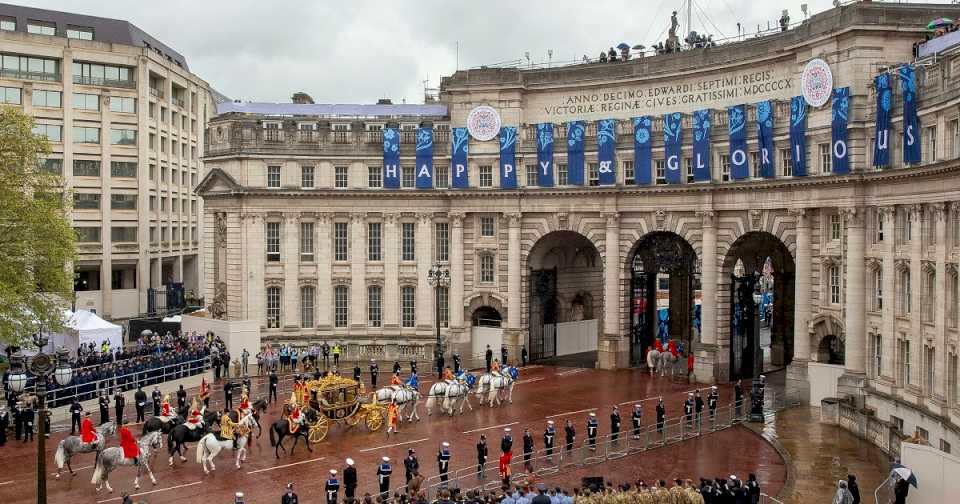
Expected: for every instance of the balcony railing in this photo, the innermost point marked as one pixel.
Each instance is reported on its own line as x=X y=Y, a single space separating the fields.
x=272 y=135
x=408 y=137
x=157 y=93
x=373 y=137
x=26 y=75
x=178 y=102
x=307 y=136
x=341 y=137
x=100 y=81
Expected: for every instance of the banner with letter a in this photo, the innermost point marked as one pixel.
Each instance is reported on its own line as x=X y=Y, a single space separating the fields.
x=911 y=123
x=545 y=155
x=607 y=151
x=798 y=135
x=838 y=128
x=425 y=158
x=765 y=138
x=702 y=124
x=508 y=155
x=671 y=146
x=737 y=119
x=391 y=158
x=642 y=158
x=575 y=134
x=881 y=141
x=460 y=148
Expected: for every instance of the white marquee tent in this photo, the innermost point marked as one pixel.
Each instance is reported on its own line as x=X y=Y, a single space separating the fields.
x=84 y=326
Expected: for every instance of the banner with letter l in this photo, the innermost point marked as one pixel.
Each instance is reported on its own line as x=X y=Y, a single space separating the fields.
x=391 y=158
x=798 y=135
x=702 y=124
x=737 y=121
x=508 y=155
x=765 y=138
x=642 y=157
x=460 y=148
x=881 y=132
x=838 y=128
x=911 y=123
x=545 y=155
x=607 y=151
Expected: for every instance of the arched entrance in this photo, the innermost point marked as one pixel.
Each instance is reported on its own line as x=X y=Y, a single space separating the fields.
x=664 y=287
x=761 y=304
x=565 y=296
x=828 y=336
x=486 y=321
x=486 y=316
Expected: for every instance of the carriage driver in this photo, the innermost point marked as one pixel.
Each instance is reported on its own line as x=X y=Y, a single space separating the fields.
x=395 y=380
x=195 y=419
x=87 y=434
x=448 y=374
x=166 y=412
x=495 y=367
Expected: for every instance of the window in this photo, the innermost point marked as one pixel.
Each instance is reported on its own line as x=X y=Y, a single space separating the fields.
x=306 y=177
x=102 y=75
x=44 y=98
x=407 y=176
x=340 y=241
x=123 y=234
x=441 y=236
x=531 y=171
x=123 y=169
x=878 y=289
x=836 y=227
x=374 y=177
x=629 y=176
x=944 y=446
x=51 y=165
x=86 y=167
x=953 y=130
x=10 y=95
x=123 y=104
x=755 y=163
x=86 y=134
x=923 y=435
x=905 y=304
x=53 y=132
x=273 y=307
x=153 y=234
x=487 y=226
x=8 y=23
x=374 y=241
x=86 y=201
x=660 y=170
x=897 y=422
x=163 y=202
x=562 y=174
x=929 y=365
x=833 y=273
x=952 y=291
x=88 y=234
x=306 y=241
x=374 y=306
x=826 y=159
x=929 y=151
x=83 y=101
x=724 y=167
x=486 y=268
x=442 y=176
x=408 y=300
x=408 y=241
x=123 y=201
x=443 y=300
x=340 y=177
x=41 y=27
x=273 y=241
x=80 y=32
x=123 y=136
x=486 y=176
x=903 y=368
x=341 y=303
x=307 y=296
x=593 y=174
x=786 y=163
x=688 y=169
x=29 y=67
x=953 y=384
x=273 y=177
x=928 y=301
x=877 y=343
x=879 y=230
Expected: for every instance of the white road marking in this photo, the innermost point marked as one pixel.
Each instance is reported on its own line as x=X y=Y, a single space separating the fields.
x=572 y=413
x=6 y=483
x=491 y=427
x=530 y=380
x=394 y=445
x=75 y=470
x=571 y=372
x=151 y=492
x=285 y=465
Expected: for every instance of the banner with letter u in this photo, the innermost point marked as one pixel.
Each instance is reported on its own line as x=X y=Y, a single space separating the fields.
x=607 y=151
x=425 y=158
x=460 y=143
x=575 y=134
x=671 y=146
x=838 y=128
x=798 y=135
x=391 y=158
x=702 y=124
x=545 y=155
x=508 y=155
x=881 y=142
x=765 y=138
x=911 y=123
x=737 y=119
x=641 y=150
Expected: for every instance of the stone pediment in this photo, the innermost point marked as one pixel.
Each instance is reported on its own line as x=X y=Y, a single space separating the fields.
x=217 y=181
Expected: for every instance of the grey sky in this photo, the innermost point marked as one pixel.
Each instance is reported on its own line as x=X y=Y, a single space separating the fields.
x=356 y=51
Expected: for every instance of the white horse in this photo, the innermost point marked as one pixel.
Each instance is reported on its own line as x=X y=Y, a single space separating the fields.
x=493 y=386
x=667 y=362
x=112 y=457
x=653 y=358
x=402 y=396
x=72 y=445
x=458 y=391
x=437 y=390
x=209 y=446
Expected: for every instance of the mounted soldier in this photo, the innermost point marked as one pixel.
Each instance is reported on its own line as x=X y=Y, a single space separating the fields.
x=244 y=407
x=228 y=428
x=295 y=418
x=88 y=435
x=166 y=412
x=195 y=417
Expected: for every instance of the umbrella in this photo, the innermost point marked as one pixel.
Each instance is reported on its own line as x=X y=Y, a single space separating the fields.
x=624 y=45
x=939 y=22
x=904 y=473
x=639 y=47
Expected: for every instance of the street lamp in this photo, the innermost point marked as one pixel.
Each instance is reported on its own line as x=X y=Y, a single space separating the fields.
x=41 y=366
x=439 y=278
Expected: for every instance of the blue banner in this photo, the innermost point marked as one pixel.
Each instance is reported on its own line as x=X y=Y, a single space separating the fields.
x=838 y=128
x=607 y=151
x=545 y=155
x=881 y=132
x=460 y=148
x=425 y=158
x=641 y=150
x=737 y=119
x=391 y=158
x=575 y=133
x=508 y=157
x=671 y=147
x=798 y=135
x=702 y=124
x=765 y=138
x=911 y=123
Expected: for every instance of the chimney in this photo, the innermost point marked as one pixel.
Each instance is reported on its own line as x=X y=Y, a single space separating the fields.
x=301 y=97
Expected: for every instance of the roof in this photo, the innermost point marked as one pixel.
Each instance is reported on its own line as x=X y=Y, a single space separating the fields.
x=332 y=110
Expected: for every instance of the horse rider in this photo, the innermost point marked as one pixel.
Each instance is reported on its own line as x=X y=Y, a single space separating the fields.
x=448 y=375
x=166 y=412
x=395 y=380
x=87 y=434
x=244 y=407
x=295 y=418
x=128 y=443
x=228 y=428
x=495 y=367
x=413 y=381
x=195 y=418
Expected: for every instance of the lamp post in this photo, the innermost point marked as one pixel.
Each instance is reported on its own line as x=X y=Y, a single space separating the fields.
x=439 y=278
x=41 y=366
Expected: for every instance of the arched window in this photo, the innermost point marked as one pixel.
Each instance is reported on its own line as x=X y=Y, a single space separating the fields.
x=341 y=305
x=877 y=288
x=833 y=276
x=930 y=282
x=307 y=307
x=408 y=306
x=952 y=293
x=374 y=306
x=274 y=301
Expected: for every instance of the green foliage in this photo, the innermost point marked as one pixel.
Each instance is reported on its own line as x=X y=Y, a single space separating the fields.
x=36 y=237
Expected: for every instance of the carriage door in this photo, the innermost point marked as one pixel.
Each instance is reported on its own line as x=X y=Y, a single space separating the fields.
x=642 y=311
x=744 y=326
x=543 y=314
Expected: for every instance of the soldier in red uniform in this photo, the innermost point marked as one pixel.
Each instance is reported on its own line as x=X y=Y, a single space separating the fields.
x=87 y=434
x=196 y=418
x=129 y=444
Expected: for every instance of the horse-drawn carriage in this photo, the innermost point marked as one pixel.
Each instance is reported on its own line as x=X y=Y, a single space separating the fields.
x=341 y=400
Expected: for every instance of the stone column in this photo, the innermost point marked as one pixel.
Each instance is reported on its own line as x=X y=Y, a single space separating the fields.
x=290 y=257
x=255 y=307
x=938 y=214
x=425 y=293
x=889 y=290
x=323 y=249
x=611 y=355
x=851 y=382
x=706 y=352
x=513 y=271
x=358 y=271
x=797 y=372
x=456 y=270
x=915 y=214
x=391 y=274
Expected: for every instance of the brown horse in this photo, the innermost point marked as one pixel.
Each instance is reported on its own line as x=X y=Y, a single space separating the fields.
x=281 y=428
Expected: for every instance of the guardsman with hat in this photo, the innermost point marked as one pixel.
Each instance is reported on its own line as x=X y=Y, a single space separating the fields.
x=527 y=449
x=274 y=381
x=349 y=481
x=128 y=444
x=410 y=464
x=87 y=434
x=592 y=430
x=456 y=362
x=204 y=392
x=166 y=411
x=104 y=403
x=661 y=414
x=443 y=461
x=637 y=418
x=244 y=407
x=227 y=428
x=140 y=403
x=296 y=418
x=332 y=488
x=383 y=477
x=357 y=372
x=228 y=395
x=615 y=423
x=549 y=434
x=482 y=453
x=570 y=432
x=76 y=413
x=712 y=399
x=688 y=407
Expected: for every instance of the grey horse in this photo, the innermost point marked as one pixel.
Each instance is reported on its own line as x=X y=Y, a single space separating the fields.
x=71 y=445
x=112 y=457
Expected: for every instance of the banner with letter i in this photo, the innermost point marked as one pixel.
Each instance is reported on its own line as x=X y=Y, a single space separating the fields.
x=702 y=124
x=545 y=155
x=765 y=138
x=881 y=141
x=425 y=157
x=838 y=128
x=642 y=158
x=671 y=146
x=737 y=119
x=607 y=151
x=391 y=158
x=798 y=135
x=508 y=154
x=460 y=148
x=911 y=123
x=575 y=134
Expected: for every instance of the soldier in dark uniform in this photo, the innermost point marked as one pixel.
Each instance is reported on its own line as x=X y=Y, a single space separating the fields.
x=4 y=423
x=228 y=395
x=374 y=373
x=698 y=402
x=637 y=418
x=140 y=402
x=527 y=450
x=506 y=442
x=548 y=435
x=104 y=404
x=439 y=365
x=570 y=433
x=712 y=398
x=272 y=395
x=76 y=413
x=156 y=397
x=411 y=465
x=489 y=357
x=383 y=476
x=289 y=497
x=443 y=462
x=456 y=362
x=18 y=420
x=396 y=367
x=523 y=355
x=503 y=355
x=592 y=427
x=413 y=366
x=325 y=350
x=118 y=403
x=738 y=398
x=356 y=372
x=482 y=453
x=332 y=487
x=349 y=481
x=181 y=398
x=688 y=407
x=615 y=424
x=28 y=418
x=661 y=415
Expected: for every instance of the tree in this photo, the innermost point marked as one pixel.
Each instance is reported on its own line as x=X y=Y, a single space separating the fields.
x=36 y=238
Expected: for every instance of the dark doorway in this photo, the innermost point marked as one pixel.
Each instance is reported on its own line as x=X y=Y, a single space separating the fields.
x=486 y=316
x=543 y=314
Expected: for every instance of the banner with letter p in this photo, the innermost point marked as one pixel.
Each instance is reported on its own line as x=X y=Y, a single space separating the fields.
x=508 y=155
x=391 y=158
x=607 y=151
x=671 y=146
x=460 y=148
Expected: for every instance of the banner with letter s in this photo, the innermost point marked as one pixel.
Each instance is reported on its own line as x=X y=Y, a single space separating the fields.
x=460 y=147
x=881 y=140
x=671 y=146
x=641 y=150
x=765 y=138
x=702 y=124
x=545 y=154
x=607 y=151
x=736 y=127
x=838 y=128
x=575 y=133
x=911 y=123
x=508 y=155
x=425 y=157
x=391 y=158
x=798 y=135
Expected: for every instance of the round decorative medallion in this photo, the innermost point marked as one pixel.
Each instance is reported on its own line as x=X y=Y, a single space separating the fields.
x=816 y=82
x=483 y=123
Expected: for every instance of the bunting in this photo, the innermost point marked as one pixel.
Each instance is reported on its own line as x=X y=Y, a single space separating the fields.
x=736 y=118
x=765 y=138
x=391 y=158
x=425 y=157
x=575 y=134
x=671 y=147
x=881 y=140
x=911 y=123
x=798 y=135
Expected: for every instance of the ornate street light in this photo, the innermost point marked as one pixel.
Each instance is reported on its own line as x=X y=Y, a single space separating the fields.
x=439 y=278
x=41 y=366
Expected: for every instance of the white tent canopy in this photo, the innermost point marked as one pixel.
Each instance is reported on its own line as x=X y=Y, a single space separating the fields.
x=84 y=326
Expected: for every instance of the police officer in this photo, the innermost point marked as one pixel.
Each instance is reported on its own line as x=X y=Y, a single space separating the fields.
x=482 y=453
x=712 y=398
x=104 y=403
x=411 y=465
x=140 y=402
x=228 y=395
x=374 y=373
x=661 y=414
x=349 y=481
x=356 y=372
x=592 y=426
x=156 y=398
x=383 y=476
x=570 y=433
x=688 y=407
x=615 y=424
x=456 y=362
x=548 y=435
x=272 y=394
x=443 y=461
x=506 y=443
x=637 y=418
x=332 y=488
x=527 y=449
x=76 y=412
x=118 y=403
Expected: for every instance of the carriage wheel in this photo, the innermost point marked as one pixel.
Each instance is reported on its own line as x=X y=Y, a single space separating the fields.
x=319 y=429
x=374 y=421
x=354 y=419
